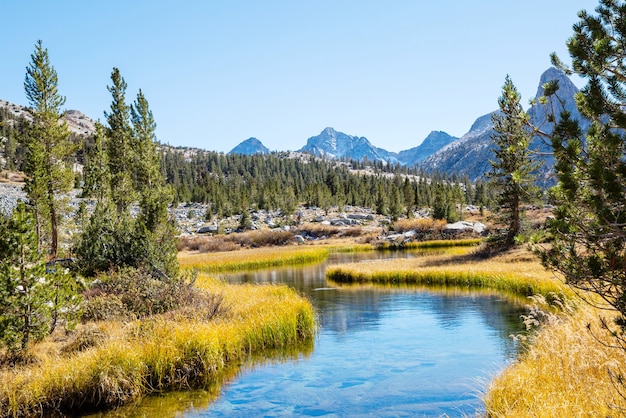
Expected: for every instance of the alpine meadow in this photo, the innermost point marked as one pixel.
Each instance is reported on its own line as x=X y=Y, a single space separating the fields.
x=473 y=275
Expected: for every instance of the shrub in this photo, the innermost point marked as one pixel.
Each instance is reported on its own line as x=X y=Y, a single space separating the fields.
x=139 y=293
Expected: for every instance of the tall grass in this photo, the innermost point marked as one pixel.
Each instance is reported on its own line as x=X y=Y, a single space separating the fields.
x=437 y=243
x=251 y=259
x=163 y=352
x=564 y=373
x=521 y=277
x=419 y=225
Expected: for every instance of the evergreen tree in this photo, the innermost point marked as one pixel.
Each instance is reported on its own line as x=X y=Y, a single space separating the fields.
x=512 y=167
x=31 y=299
x=121 y=150
x=126 y=161
x=48 y=147
x=589 y=228
x=154 y=227
x=96 y=168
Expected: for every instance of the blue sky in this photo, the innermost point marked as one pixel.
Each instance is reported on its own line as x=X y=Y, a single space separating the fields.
x=218 y=72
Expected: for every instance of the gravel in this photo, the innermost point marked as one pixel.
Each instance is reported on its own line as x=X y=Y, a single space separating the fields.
x=9 y=195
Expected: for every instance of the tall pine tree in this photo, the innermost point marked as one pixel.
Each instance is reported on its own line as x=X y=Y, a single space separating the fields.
x=513 y=166
x=124 y=169
x=48 y=147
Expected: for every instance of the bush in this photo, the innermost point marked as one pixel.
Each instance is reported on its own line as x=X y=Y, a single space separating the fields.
x=236 y=241
x=138 y=292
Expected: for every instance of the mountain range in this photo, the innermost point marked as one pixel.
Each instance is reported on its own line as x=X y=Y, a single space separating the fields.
x=468 y=155
x=338 y=145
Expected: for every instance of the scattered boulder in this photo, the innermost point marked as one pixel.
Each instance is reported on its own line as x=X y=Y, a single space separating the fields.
x=212 y=229
x=479 y=228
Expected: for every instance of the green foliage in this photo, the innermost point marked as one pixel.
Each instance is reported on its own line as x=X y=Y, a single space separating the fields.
x=24 y=313
x=589 y=248
x=123 y=168
x=120 y=145
x=446 y=202
x=276 y=182
x=513 y=167
x=31 y=298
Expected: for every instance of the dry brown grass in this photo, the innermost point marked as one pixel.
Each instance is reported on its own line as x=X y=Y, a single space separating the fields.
x=12 y=177
x=317 y=230
x=423 y=225
x=235 y=241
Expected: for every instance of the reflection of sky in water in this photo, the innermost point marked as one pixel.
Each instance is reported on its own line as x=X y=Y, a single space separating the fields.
x=379 y=353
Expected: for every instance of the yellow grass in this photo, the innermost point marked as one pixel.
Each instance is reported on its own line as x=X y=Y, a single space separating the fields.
x=521 y=276
x=161 y=353
x=249 y=259
x=564 y=373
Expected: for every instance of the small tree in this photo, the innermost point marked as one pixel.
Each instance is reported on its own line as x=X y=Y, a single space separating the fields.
x=512 y=167
x=25 y=291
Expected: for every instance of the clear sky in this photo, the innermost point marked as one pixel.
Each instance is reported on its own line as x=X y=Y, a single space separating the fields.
x=218 y=72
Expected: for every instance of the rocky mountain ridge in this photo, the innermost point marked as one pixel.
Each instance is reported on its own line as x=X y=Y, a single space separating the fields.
x=470 y=154
x=77 y=122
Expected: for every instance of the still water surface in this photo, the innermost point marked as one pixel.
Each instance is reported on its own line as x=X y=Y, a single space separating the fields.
x=380 y=351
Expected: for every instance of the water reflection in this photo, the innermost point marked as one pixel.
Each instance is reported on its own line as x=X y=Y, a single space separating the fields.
x=380 y=351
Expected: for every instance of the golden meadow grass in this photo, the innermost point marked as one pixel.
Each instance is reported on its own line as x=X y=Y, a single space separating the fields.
x=430 y=244
x=521 y=276
x=563 y=373
x=249 y=259
x=161 y=353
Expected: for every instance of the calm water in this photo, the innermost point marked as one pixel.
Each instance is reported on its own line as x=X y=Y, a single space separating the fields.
x=379 y=352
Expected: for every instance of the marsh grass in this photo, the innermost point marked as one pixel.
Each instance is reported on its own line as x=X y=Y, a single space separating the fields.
x=125 y=361
x=419 y=225
x=252 y=259
x=506 y=273
x=439 y=243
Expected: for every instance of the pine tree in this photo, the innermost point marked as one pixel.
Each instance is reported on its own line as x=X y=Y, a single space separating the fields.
x=156 y=230
x=512 y=167
x=121 y=150
x=96 y=169
x=589 y=228
x=48 y=147
x=124 y=168
x=31 y=298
